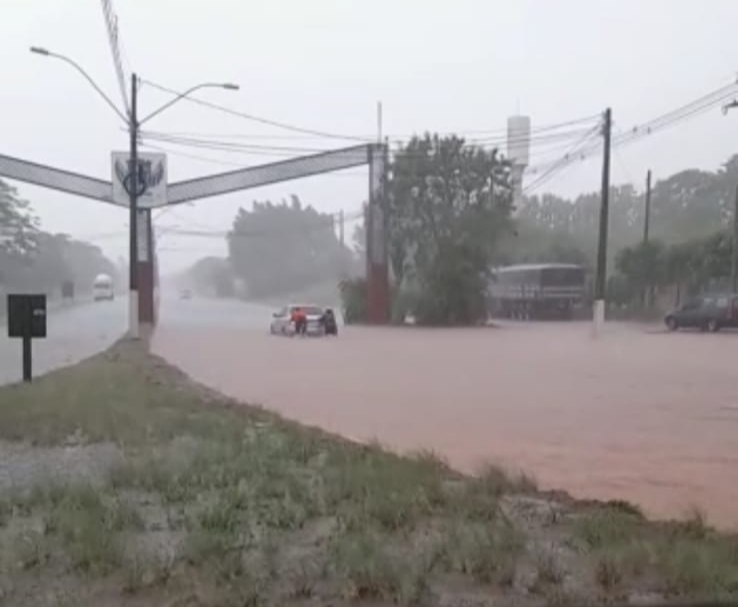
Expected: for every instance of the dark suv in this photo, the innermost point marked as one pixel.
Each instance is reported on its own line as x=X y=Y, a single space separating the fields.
x=707 y=312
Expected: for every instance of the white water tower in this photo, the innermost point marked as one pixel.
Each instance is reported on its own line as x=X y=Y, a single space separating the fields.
x=518 y=152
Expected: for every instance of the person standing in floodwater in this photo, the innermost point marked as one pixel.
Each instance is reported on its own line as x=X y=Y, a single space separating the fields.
x=299 y=318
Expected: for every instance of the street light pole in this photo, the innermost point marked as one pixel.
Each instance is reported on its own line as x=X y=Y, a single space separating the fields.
x=133 y=209
x=134 y=181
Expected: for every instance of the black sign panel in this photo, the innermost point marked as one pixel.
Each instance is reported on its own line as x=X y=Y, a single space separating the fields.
x=26 y=315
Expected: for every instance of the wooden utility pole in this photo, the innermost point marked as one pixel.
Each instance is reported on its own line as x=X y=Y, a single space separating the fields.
x=601 y=277
x=646 y=294
x=734 y=264
x=647 y=219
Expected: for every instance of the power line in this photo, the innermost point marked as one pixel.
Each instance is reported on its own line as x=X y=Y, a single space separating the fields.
x=254 y=118
x=621 y=163
x=542 y=139
x=231 y=164
x=669 y=119
x=111 y=22
x=489 y=133
x=281 y=151
x=564 y=161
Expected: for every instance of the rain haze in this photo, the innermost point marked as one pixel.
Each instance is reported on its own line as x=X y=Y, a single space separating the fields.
x=437 y=304
x=436 y=66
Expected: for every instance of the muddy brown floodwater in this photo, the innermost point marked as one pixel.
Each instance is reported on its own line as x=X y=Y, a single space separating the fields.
x=640 y=415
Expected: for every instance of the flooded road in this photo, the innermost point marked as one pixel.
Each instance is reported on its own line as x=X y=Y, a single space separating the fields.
x=644 y=416
x=73 y=333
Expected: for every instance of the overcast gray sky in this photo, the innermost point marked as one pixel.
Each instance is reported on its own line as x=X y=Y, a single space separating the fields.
x=436 y=65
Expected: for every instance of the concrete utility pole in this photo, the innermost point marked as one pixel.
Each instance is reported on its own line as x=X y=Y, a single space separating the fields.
x=601 y=278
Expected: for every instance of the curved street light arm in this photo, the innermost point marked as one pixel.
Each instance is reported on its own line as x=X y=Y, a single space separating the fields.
x=181 y=96
x=76 y=66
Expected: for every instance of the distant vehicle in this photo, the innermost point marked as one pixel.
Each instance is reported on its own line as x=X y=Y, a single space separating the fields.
x=282 y=320
x=185 y=294
x=706 y=312
x=528 y=291
x=102 y=288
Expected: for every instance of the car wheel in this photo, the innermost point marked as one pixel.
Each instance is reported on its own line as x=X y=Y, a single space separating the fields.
x=671 y=323
x=713 y=326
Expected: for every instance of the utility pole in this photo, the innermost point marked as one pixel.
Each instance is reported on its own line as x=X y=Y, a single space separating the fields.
x=734 y=265
x=646 y=294
x=341 y=229
x=601 y=277
x=133 y=184
x=647 y=218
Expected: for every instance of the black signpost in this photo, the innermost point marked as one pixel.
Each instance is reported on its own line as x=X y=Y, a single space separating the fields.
x=26 y=320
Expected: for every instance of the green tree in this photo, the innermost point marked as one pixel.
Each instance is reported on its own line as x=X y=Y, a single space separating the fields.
x=701 y=263
x=643 y=265
x=278 y=249
x=211 y=275
x=31 y=259
x=448 y=203
x=18 y=232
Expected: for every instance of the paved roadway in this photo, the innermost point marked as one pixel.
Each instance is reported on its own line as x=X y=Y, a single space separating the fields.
x=74 y=333
x=646 y=416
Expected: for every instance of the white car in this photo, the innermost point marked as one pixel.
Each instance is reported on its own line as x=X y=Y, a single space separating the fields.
x=102 y=288
x=282 y=320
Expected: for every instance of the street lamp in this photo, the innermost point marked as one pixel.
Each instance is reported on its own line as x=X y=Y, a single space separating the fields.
x=46 y=53
x=133 y=124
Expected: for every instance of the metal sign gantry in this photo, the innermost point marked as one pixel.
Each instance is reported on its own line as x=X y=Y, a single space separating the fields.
x=374 y=155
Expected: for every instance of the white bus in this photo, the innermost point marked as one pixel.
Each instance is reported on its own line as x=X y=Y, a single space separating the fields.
x=102 y=288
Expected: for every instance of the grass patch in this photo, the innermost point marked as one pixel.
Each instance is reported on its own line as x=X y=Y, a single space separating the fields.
x=88 y=524
x=607 y=527
x=608 y=572
x=31 y=549
x=368 y=568
x=549 y=571
x=487 y=553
